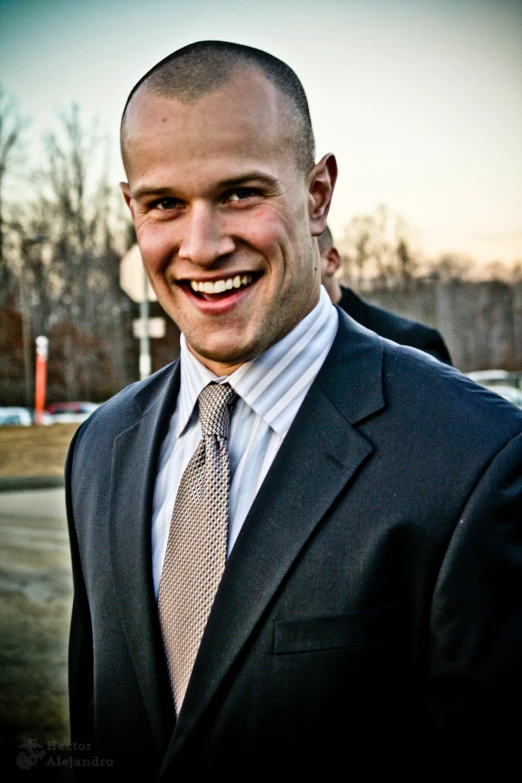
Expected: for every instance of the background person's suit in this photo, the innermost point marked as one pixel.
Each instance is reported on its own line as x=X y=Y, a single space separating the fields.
x=394 y=327
x=369 y=615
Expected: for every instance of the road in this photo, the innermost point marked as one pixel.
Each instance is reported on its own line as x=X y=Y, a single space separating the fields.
x=36 y=594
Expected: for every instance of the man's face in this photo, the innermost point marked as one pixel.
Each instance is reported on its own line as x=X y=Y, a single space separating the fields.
x=224 y=217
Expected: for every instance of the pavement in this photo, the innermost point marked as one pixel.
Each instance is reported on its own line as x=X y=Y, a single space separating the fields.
x=35 y=607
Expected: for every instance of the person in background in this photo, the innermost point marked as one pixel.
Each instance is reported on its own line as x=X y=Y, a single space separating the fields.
x=385 y=323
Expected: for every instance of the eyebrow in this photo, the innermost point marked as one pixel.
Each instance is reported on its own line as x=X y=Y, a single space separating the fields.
x=250 y=176
x=149 y=190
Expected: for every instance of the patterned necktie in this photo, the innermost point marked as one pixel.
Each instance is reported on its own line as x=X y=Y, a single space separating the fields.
x=197 y=544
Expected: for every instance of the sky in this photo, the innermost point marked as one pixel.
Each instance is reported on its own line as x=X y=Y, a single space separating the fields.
x=420 y=100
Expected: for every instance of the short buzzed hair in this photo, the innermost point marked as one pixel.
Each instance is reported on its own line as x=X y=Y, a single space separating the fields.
x=325 y=240
x=199 y=68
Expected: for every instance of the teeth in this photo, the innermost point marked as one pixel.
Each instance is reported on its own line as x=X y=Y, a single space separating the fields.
x=218 y=286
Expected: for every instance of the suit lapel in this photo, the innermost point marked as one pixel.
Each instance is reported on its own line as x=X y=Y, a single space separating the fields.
x=135 y=457
x=320 y=454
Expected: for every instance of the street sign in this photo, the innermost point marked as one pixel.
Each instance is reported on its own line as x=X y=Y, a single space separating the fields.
x=156 y=327
x=133 y=278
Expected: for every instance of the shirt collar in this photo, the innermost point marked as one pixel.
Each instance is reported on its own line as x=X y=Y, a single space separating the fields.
x=265 y=383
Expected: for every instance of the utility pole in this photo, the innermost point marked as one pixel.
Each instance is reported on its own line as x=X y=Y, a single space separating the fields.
x=135 y=283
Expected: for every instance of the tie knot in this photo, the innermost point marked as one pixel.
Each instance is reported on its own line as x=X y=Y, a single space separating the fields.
x=215 y=402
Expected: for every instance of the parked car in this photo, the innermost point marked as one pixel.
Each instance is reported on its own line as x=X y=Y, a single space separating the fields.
x=507 y=384
x=515 y=379
x=15 y=416
x=490 y=377
x=46 y=417
x=71 y=412
x=510 y=393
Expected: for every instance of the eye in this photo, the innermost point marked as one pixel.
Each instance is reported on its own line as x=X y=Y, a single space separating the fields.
x=241 y=194
x=165 y=204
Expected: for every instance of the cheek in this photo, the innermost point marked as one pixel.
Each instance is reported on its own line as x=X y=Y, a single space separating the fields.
x=155 y=247
x=265 y=228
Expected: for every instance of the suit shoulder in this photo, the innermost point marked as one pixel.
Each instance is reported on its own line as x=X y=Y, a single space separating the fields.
x=125 y=408
x=444 y=400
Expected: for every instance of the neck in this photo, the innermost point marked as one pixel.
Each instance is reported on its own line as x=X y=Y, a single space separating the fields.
x=333 y=289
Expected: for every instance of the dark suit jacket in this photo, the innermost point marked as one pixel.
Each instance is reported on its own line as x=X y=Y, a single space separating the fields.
x=370 y=613
x=394 y=327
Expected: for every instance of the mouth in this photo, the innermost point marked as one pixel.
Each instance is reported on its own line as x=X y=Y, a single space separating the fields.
x=222 y=288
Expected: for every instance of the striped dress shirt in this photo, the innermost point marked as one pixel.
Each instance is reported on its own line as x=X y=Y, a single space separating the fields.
x=270 y=389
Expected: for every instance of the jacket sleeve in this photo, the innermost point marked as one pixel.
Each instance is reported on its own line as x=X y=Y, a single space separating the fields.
x=474 y=682
x=80 y=638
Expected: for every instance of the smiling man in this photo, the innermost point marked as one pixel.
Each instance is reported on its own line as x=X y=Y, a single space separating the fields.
x=225 y=209
x=297 y=549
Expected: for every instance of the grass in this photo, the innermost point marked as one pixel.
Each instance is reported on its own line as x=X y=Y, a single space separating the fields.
x=35 y=451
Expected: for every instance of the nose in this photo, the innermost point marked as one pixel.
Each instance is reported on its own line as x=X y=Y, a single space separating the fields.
x=204 y=239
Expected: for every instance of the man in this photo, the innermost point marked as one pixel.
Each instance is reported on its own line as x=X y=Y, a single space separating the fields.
x=387 y=324
x=362 y=610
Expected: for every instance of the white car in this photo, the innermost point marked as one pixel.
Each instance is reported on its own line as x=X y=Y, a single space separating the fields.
x=507 y=384
x=71 y=412
x=509 y=393
x=490 y=378
x=15 y=416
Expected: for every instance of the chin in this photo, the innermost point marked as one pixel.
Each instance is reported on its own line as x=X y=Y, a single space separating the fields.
x=225 y=355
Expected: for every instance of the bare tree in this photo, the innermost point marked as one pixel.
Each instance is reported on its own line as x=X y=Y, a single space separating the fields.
x=358 y=239
x=451 y=266
x=378 y=248
x=75 y=284
x=12 y=127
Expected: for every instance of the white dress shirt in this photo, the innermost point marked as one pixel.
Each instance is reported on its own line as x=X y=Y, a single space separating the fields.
x=270 y=389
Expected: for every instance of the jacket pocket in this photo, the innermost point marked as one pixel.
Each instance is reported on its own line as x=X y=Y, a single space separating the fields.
x=349 y=632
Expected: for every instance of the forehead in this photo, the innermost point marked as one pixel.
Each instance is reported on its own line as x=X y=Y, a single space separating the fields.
x=244 y=119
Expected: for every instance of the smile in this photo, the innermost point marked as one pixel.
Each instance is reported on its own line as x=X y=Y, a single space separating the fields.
x=220 y=286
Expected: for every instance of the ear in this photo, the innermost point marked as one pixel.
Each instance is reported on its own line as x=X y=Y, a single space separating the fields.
x=330 y=262
x=321 y=183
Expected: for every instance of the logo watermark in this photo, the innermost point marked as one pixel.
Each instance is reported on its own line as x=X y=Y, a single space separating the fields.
x=58 y=754
x=31 y=754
